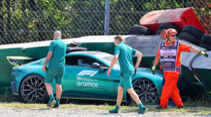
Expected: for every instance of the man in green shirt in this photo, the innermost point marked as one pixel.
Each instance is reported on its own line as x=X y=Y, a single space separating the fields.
x=56 y=68
x=124 y=54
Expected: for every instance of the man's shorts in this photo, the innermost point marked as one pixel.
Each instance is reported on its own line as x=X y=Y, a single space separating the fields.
x=54 y=73
x=125 y=80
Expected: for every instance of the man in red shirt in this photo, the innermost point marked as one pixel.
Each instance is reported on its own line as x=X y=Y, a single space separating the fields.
x=169 y=54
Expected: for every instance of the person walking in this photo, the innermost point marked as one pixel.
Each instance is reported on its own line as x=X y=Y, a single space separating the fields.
x=163 y=36
x=56 y=68
x=123 y=53
x=169 y=54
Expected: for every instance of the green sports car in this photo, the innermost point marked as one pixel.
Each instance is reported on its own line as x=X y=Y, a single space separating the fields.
x=85 y=78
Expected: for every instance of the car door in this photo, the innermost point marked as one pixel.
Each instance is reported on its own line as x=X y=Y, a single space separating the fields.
x=68 y=82
x=89 y=82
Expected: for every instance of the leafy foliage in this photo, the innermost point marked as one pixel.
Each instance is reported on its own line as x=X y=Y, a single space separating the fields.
x=35 y=20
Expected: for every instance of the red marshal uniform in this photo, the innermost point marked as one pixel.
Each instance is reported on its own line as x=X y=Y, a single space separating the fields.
x=170 y=58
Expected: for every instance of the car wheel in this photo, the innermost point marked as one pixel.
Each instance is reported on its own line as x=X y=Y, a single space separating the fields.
x=146 y=90
x=32 y=89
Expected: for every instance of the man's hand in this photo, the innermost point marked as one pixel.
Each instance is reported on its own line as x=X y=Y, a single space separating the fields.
x=204 y=53
x=136 y=68
x=114 y=59
x=109 y=71
x=153 y=69
x=134 y=72
x=43 y=68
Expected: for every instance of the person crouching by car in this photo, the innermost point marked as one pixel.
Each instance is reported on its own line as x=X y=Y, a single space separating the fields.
x=56 y=68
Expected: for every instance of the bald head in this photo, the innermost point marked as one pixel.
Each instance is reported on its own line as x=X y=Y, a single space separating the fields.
x=57 y=34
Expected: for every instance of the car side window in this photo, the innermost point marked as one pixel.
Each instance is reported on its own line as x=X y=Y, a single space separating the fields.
x=71 y=60
x=81 y=61
x=84 y=61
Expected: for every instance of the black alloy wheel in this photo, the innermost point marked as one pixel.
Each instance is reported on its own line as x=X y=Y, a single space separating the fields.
x=146 y=90
x=33 y=90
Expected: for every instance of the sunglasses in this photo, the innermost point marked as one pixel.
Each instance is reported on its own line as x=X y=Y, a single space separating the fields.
x=173 y=35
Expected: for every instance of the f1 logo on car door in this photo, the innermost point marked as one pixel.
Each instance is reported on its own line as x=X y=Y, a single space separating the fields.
x=86 y=81
x=87 y=72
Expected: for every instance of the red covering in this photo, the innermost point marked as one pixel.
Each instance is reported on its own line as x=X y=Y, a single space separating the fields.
x=170 y=90
x=179 y=17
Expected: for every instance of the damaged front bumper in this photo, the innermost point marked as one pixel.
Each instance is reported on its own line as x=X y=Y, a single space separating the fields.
x=14 y=88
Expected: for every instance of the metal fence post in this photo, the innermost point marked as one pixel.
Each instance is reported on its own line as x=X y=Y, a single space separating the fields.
x=107 y=13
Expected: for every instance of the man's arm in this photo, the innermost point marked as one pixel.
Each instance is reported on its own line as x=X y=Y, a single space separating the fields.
x=115 y=58
x=195 y=50
x=188 y=48
x=139 y=55
x=156 y=61
x=48 y=57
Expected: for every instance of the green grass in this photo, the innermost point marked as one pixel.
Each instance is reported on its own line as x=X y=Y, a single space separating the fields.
x=8 y=97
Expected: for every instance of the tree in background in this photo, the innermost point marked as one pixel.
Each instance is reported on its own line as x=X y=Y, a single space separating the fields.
x=35 y=20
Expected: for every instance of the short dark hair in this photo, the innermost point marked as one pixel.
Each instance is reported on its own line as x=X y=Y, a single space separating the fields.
x=163 y=30
x=119 y=37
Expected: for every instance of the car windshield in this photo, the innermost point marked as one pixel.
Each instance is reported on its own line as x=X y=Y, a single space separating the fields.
x=108 y=58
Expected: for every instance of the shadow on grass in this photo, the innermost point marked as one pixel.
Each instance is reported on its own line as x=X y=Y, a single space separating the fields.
x=7 y=96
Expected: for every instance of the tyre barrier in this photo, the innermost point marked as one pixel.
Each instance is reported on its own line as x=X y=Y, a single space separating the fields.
x=206 y=42
x=166 y=26
x=204 y=45
x=139 y=30
x=194 y=31
x=189 y=37
x=206 y=39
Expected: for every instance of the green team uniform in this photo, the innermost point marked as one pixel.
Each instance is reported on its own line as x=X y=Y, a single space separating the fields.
x=125 y=58
x=56 y=66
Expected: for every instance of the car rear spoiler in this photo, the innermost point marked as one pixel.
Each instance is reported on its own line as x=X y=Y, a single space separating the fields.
x=19 y=60
x=74 y=49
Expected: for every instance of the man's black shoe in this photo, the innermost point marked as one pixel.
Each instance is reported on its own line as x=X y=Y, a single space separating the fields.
x=179 y=107
x=141 y=110
x=113 y=111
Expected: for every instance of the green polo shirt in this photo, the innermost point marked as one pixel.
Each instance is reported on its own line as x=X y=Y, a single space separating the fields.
x=58 y=47
x=125 y=58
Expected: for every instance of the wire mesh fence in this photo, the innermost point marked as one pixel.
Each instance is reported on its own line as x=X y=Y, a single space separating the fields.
x=36 y=20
